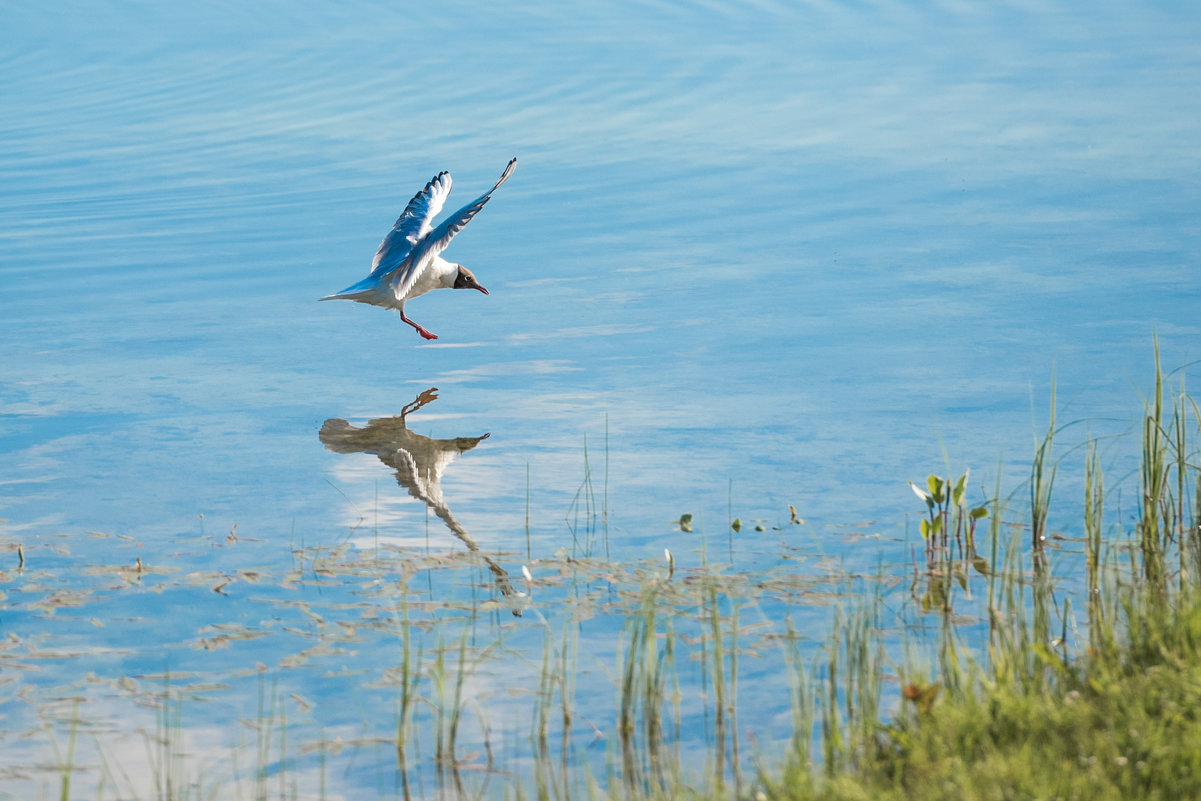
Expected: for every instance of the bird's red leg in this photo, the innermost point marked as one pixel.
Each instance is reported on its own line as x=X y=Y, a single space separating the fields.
x=420 y=330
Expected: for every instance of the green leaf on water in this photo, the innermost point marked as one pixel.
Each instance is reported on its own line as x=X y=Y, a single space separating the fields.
x=978 y=512
x=960 y=489
x=736 y=525
x=936 y=485
x=686 y=522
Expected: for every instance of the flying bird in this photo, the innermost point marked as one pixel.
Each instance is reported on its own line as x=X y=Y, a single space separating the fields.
x=409 y=261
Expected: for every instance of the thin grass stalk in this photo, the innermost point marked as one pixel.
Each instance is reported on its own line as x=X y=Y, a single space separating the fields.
x=544 y=697
x=1042 y=596
x=67 y=766
x=832 y=742
x=735 y=755
x=994 y=534
x=1094 y=507
x=605 y=496
x=716 y=664
x=1153 y=474
x=950 y=666
x=652 y=711
x=438 y=677
x=1042 y=481
x=1011 y=631
x=456 y=714
x=669 y=660
x=1180 y=451
x=569 y=659
x=861 y=685
x=627 y=727
x=582 y=503
x=1194 y=535
x=264 y=728
x=283 y=751
x=409 y=677
x=801 y=696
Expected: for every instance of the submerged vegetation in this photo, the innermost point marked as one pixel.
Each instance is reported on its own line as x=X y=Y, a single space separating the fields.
x=1000 y=659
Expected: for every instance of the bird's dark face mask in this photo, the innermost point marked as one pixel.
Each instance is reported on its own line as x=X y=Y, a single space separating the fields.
x=465 y=280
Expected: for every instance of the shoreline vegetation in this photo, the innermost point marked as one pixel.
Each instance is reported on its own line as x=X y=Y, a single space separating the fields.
x=998 y=665
x=1116 y=717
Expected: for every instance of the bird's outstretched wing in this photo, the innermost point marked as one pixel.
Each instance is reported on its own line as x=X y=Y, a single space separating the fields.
x=436 y=240
x=412 y=225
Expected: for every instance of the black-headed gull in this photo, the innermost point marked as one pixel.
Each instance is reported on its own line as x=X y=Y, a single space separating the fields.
x=409 y=261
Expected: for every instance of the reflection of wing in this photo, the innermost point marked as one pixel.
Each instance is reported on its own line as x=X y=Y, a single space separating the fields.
x=406 y=472
x=422 y=475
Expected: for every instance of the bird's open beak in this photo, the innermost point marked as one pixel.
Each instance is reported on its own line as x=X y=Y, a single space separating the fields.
x=480 y=288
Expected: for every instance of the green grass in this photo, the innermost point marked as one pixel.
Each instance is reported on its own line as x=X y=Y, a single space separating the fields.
x=1030 y=718
x=1123 y=723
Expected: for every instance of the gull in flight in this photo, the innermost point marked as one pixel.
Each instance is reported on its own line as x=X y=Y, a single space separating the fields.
x=409 y=261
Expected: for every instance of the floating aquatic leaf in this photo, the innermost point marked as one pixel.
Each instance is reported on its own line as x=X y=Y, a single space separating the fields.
x=686 y=522
x=936 y=486
x=759 y=527
x=978 y=512
x=736 y=525
x=960 y=489
x=793 y=519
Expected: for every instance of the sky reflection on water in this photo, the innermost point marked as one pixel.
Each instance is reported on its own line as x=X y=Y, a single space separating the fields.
x=755 y=255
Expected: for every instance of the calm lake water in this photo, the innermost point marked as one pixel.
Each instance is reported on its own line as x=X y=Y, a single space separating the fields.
x=754 y=254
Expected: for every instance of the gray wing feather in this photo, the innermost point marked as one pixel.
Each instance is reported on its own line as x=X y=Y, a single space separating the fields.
x=412 y=225
x=436 y=240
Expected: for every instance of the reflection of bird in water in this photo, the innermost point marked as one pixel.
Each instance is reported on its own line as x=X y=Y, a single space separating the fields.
x=409 y=261
x=419 y=462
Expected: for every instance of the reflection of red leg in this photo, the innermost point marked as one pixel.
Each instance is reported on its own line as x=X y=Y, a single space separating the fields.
x=420 y=330
x=429 y=396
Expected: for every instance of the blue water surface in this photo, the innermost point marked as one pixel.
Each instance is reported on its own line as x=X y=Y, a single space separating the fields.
x=754 y=254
